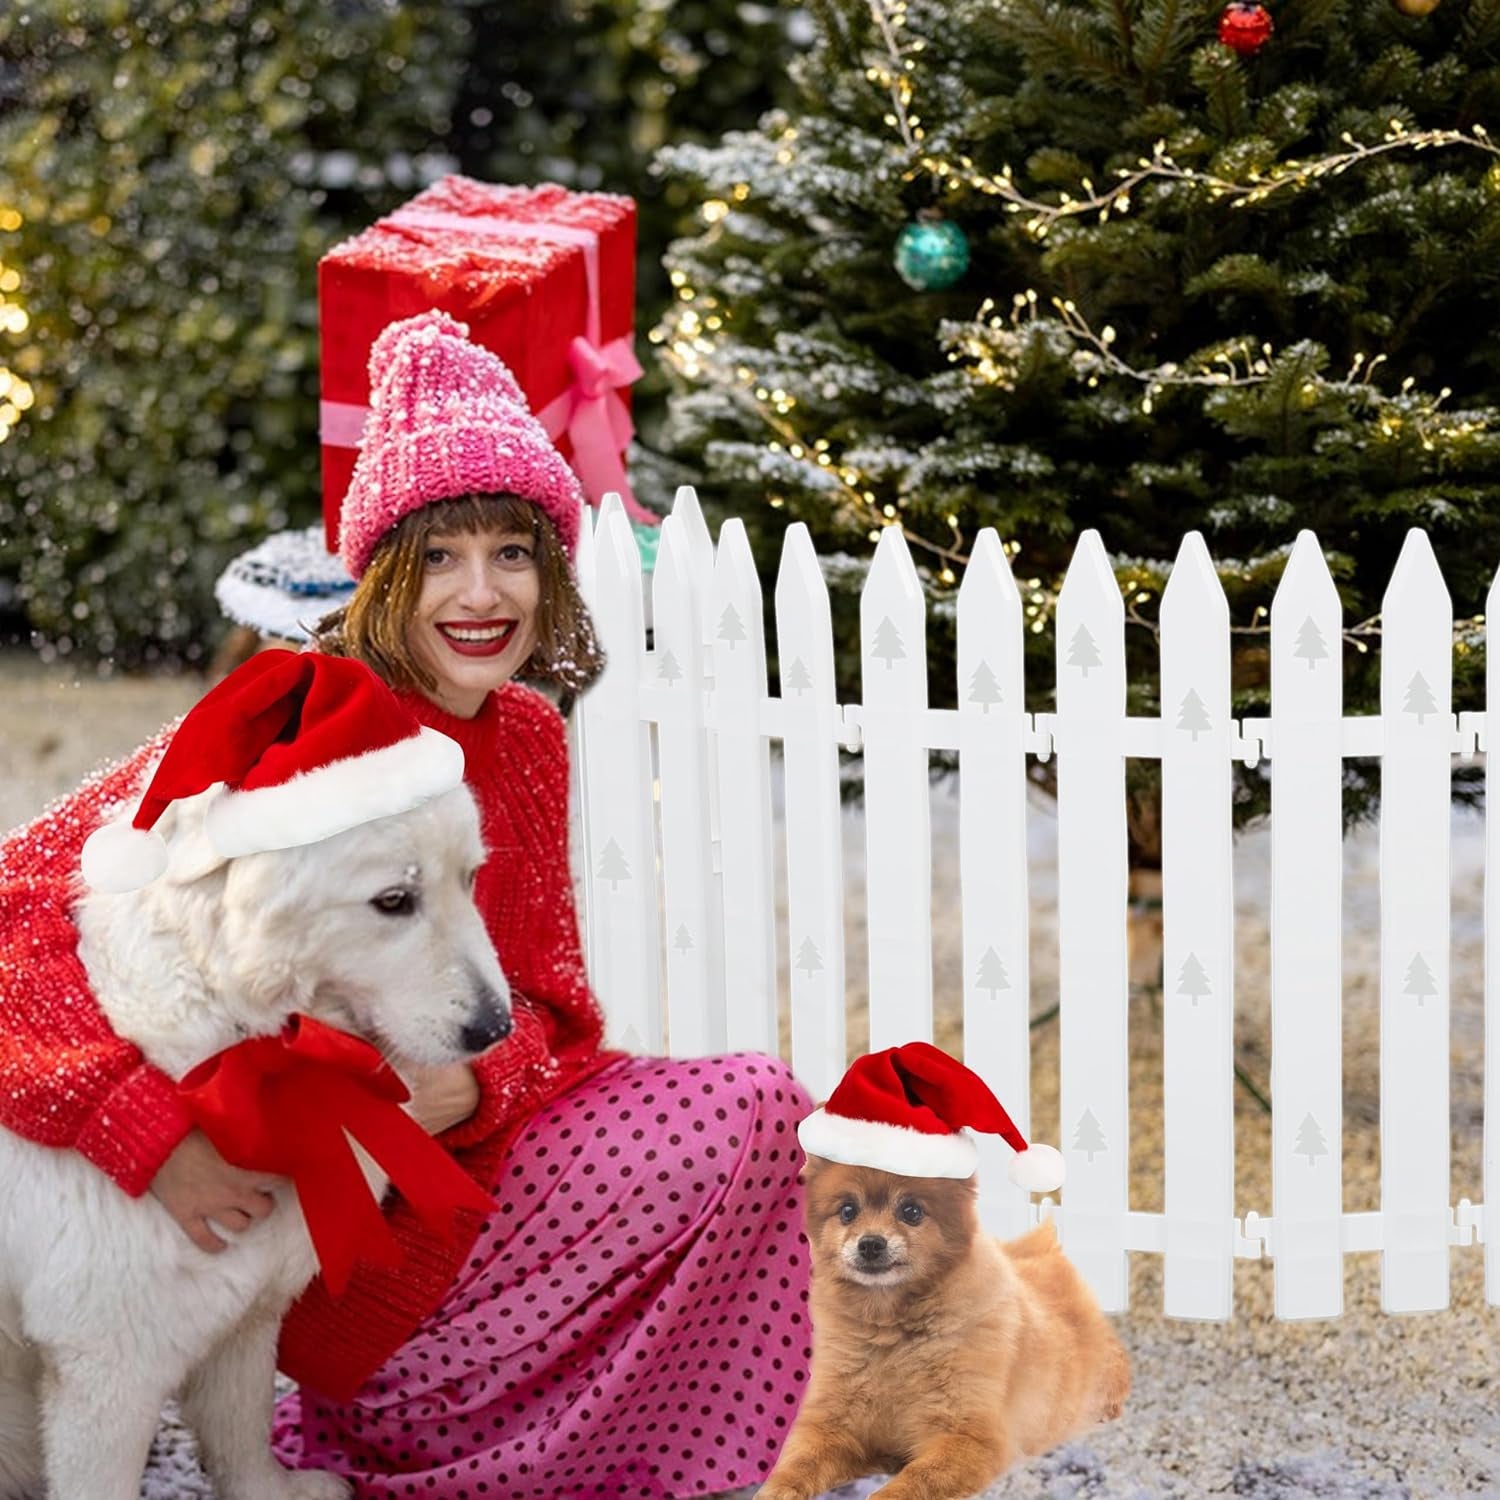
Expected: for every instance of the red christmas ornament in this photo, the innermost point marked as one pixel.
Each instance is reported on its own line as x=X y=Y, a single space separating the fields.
x=1245 y=26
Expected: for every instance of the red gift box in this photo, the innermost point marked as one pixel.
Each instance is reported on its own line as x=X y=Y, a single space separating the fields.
x=542 y=276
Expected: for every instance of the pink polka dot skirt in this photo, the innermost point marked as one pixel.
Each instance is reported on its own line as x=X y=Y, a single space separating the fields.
x=633 y=1321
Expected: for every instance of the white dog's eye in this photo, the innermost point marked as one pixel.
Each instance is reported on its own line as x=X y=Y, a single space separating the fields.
x=396 y=902
x=471 y=877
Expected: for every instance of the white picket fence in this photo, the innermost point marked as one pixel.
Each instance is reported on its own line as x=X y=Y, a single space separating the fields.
x=674 y=842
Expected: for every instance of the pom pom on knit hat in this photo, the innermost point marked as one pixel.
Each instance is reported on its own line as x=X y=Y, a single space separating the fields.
x=306 y=746
x=447 y=419
x=905 y=1110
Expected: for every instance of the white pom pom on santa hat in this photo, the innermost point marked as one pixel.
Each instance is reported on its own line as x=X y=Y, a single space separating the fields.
x=913 y=1110
x=1038 y=1169
x=121 y=857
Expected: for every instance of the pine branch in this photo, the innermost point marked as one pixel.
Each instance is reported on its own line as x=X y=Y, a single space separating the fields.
x=1481 y=28
x=1222 y=81
x=1062 y=43
x=1124 y=29
x=1164 y=36
x=837 y=37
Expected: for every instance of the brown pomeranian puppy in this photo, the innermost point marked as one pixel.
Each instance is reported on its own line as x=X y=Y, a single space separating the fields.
x=940 y=1355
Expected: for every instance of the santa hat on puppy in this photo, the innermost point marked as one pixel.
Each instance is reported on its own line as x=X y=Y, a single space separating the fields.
x=306 y=746
x=912 y=1110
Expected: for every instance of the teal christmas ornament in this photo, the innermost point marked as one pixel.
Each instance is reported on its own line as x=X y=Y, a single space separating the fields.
x=647 y=539
x=932 y=253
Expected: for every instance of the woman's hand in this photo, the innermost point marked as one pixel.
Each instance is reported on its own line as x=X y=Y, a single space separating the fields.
x=441 y=1097
x=195 y=1184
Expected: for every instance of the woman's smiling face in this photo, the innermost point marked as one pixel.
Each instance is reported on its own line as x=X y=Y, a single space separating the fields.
x=475 y=624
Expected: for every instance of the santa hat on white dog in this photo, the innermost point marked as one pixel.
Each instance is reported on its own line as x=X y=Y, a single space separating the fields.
x=306 y=746
x=912 y=1110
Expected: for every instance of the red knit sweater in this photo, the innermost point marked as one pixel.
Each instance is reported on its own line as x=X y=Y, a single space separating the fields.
x=67 y=1080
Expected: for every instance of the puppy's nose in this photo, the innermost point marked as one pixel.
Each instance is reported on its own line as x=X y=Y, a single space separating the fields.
x=490 y=1023
x=871 y=1247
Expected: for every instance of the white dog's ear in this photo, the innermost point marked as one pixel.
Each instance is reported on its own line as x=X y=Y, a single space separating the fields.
x=190 y=856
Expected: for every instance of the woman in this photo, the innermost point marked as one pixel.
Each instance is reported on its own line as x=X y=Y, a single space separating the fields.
x=631 y=1321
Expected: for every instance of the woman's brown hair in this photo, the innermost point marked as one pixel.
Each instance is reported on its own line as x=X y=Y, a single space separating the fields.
x=373 y=625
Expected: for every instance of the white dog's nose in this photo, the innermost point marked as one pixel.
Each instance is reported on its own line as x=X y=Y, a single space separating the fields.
x=489 y=1024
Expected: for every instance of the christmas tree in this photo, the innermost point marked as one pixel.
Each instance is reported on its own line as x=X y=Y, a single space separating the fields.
x=1231 y=288
x=172 y=176
x=583 y=92
x=174 y=173
x=1310 y=1142
x=1193 y=716
x=1419 y=980
x=1192 y=981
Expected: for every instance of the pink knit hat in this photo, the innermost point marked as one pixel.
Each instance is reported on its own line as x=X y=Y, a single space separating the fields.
x=447 y=419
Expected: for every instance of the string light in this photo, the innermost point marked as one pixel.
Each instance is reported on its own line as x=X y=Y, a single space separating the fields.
x=1160 y=166
x=995 y=350
x=687 y=342
x=16 y=394
x=895 y=79
x=683 y=337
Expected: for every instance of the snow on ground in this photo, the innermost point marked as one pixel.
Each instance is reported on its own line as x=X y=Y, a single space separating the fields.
x=1365 y=1407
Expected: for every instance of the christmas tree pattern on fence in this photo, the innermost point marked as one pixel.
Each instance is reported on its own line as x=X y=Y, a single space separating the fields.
x=888 y=645
x=731 y=627
x=808 y=958
x=683 y=942
x=796 y=676
x=612 y=866
x=1419 y=699
x=1310 y=645
x=1088 y=1136
x=1082 y=652
x=1419 y=980
x=1192 y=980
x=668 y=670
x=1193 y=716
x=991 y=975
x=1310 y=1142
x=983 y=689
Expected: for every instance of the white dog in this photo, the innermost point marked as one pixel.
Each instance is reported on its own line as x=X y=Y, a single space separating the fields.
x=106 y=1307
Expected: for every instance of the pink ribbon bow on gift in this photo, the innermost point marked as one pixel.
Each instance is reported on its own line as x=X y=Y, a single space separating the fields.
x=598 y=425
x=590 y=411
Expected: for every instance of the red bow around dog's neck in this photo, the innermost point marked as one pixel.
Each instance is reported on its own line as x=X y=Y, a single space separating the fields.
x=289 y=1104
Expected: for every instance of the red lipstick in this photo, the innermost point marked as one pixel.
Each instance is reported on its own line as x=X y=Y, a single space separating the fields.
x=496 y=637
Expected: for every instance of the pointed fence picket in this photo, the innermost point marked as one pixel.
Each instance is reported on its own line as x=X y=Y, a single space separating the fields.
x=674 y=696
x=1089 y=738
x=1307 y=1137
x=1491 y=966
x=1198 y=938
x=898 y=840
x=811 y=728
x=1416 y=698
x=744 y=782
x=624 y=952
x=702 y=690
x=993 y=728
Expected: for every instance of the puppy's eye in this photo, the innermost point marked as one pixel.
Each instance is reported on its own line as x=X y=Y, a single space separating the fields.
x=911 y=1213
x=396 y=902
x=848 y=1212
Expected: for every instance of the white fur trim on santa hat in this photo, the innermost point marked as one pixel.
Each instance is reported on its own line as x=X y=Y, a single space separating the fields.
x=1038 y=1169
x=888 y=1148
x=335 y=797
x=120 y=857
